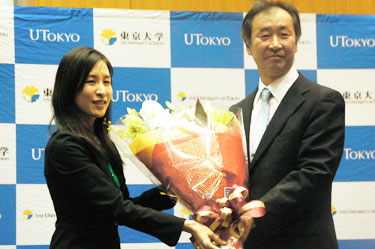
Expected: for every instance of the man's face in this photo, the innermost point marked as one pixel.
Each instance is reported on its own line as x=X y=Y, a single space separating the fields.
x=273 y=43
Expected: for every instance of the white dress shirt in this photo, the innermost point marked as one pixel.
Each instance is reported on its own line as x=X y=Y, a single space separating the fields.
x=278 y=89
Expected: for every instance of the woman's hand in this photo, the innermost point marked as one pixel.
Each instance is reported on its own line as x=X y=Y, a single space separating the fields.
x=206 y=238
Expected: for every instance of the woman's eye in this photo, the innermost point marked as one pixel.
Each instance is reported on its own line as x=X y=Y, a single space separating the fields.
x=90 y=81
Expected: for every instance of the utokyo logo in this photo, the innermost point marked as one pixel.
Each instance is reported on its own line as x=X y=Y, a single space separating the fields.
x=30 y=94
x=108 y=37
x=181 y=96
x=126 y=96
x=351 y=154
x=199 y=39
x=349 y=42
x=47 y=35
x=27 y=214
x=36 y=153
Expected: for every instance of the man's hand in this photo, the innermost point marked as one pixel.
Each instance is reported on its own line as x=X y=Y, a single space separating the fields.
x=245 y=224
x=205 y=238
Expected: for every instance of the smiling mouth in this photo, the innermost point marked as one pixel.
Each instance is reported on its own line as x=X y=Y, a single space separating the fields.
x=275 y=56
x=100 y=102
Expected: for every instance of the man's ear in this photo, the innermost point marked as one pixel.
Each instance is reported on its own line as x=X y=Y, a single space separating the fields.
x=248 y=49
x=296 y=47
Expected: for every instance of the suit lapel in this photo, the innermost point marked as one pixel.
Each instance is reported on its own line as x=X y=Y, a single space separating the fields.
x=248 y=107
x=290 y=103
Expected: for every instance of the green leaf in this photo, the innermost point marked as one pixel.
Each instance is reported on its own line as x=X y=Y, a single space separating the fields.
x=200 y=114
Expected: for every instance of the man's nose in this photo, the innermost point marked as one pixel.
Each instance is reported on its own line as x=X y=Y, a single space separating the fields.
x=275 y=43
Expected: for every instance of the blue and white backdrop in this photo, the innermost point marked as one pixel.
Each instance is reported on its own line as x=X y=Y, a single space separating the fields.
x=177 y=56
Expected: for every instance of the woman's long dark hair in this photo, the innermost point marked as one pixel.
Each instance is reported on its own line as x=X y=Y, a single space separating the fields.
x=72 y=73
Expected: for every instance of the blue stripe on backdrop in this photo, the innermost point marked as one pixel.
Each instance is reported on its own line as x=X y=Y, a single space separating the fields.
x=206 y=39
x=251 y=80
x=31 y=141
x=32 y=247
x=359 y=243
x=44 y=35
x=310 y=74
x=132 y=86
x=8 y=215
x=184 y=246
x=341 y=44
x=7 y=91
x=357 y=163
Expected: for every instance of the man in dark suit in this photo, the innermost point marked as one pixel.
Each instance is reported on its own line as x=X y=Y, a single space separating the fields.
x=292 y=168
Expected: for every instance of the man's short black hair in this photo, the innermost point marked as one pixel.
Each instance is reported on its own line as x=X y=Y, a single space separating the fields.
x=263 y=6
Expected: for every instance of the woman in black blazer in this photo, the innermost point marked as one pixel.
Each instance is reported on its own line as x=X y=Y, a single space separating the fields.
x=84 y=171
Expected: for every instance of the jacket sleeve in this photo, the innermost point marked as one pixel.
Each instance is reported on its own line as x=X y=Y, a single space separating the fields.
x=70 y=161
x=156 y=198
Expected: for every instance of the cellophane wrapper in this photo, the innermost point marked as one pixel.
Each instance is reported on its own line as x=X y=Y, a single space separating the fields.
x=196 y=163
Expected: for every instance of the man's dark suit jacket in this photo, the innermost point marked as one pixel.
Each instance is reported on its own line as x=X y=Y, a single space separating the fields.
x=294 y=166
x=89 y=205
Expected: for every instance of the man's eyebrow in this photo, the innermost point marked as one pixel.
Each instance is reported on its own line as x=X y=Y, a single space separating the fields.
x=269 y=28
x=263 y=29
x=284 y=27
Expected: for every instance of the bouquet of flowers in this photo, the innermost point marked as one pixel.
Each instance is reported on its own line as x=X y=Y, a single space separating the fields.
x=198 y=154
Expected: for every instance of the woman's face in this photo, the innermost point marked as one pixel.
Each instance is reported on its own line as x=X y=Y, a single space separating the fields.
x=94 y=98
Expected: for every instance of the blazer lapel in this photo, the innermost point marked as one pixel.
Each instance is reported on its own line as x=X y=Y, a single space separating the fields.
x=248 y=107
x=290 y=103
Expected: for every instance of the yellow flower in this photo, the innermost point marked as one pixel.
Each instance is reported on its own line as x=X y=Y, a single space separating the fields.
x=153 y=116
x=135 y=126
x=220 y=120
x=132 y=112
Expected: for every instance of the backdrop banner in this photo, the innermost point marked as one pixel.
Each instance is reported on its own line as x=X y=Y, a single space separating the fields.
x=170 y=56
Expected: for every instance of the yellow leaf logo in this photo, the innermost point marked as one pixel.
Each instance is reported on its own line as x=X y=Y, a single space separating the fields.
x=108 y=37
x=30 y=94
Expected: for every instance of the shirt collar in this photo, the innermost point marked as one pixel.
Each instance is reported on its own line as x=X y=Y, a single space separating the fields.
x=280 y=86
